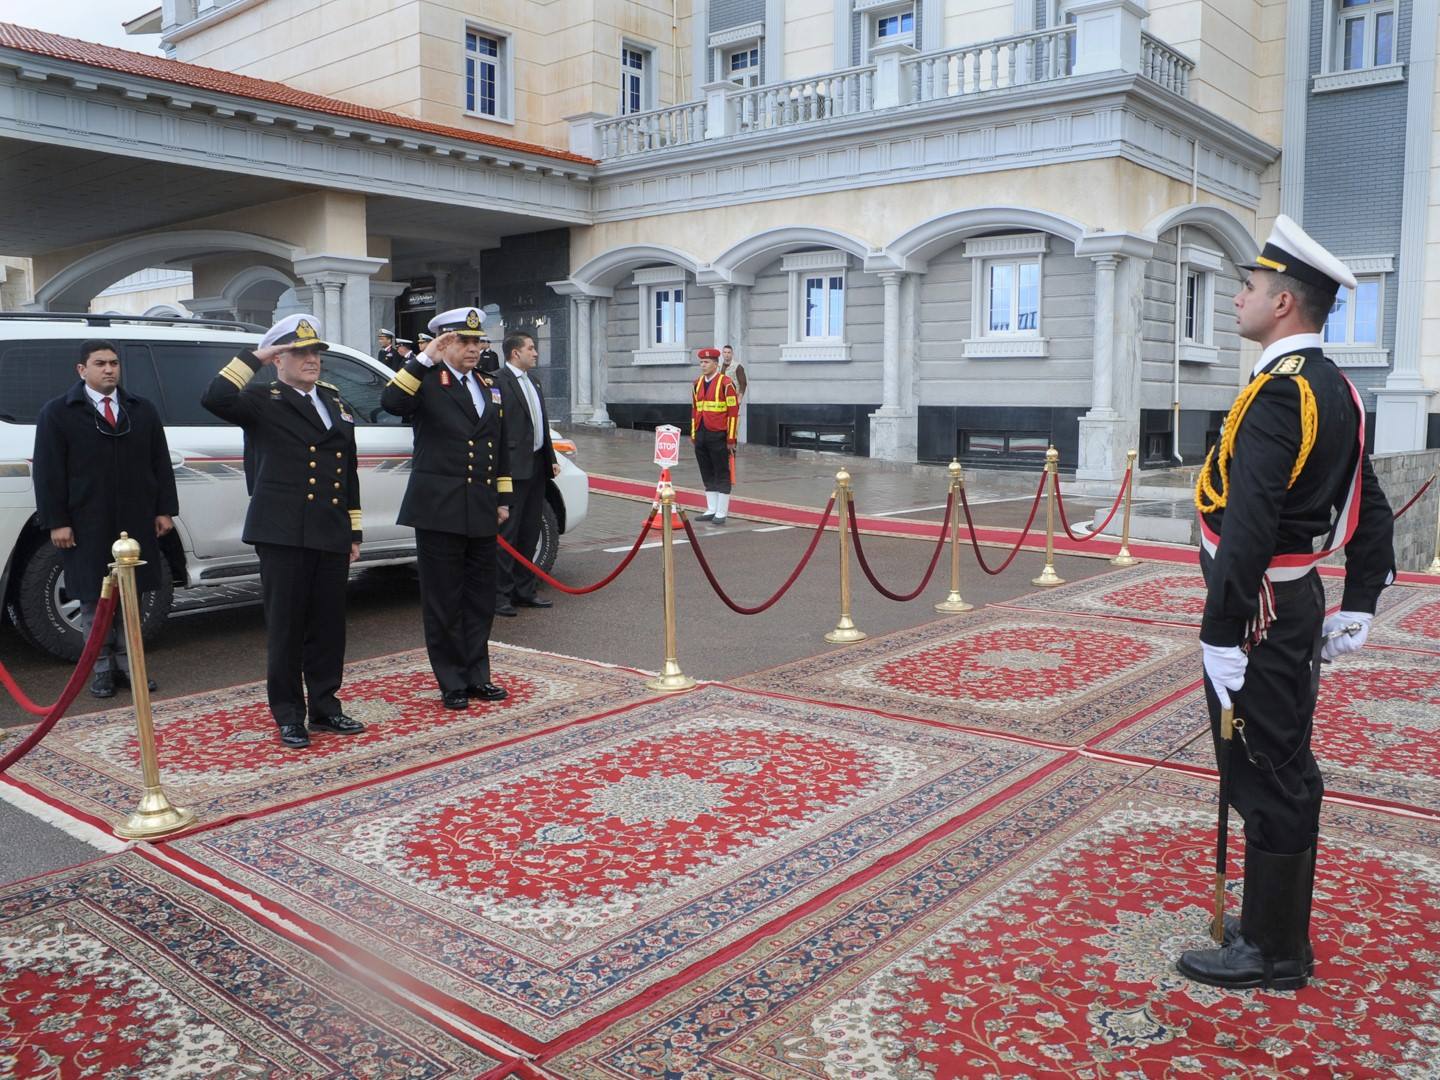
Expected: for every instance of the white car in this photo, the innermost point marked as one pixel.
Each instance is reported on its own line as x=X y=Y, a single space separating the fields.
x=170 y=362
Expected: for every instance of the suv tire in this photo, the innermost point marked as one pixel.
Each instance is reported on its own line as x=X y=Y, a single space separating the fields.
x=548 y=546
x=47 y=618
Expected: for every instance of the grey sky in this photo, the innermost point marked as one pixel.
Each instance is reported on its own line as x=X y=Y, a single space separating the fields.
x=89 y=20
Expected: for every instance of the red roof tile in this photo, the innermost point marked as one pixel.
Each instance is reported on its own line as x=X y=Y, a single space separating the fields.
x=40 y=43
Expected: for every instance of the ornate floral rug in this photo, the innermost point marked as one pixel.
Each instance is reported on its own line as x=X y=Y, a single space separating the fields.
x=1150 y=592
x=1037 y=939
x=541 y=885
x=1057 y=678
x=119 y=969
x=1377 y=729
x=219 y=755
x=1409 y=618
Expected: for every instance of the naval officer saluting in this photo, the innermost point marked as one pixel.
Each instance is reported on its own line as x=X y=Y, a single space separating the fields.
x=304 y=518
x=458 y=496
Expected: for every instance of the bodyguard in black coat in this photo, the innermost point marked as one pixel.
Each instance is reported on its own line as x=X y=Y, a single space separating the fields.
x=304 y=518
x=458 y=496
x=102 y=467
x=532 y=464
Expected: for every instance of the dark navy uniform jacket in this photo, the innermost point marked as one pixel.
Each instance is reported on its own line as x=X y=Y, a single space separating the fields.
x=460 y=473
x=1263 y=519
x=305 y=486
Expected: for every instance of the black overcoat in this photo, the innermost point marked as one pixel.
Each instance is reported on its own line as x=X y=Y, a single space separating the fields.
x=102 y=483
x=519 y=432
x=460 y=472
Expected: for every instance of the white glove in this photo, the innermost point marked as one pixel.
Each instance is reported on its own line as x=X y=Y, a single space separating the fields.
x=1342 y=643
x=1225 y=666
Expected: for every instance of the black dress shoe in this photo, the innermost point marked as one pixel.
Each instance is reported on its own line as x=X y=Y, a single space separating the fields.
x=294 y=735
x=103 y=685
x=455 y=699
x=718 y=521
x=122 y=678
x=534 y=601
x=487 y=692
x=709 y=515
x=340 y=724
x=506 y=608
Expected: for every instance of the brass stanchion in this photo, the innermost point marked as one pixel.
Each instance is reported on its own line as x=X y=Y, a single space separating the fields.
x=953 y=604
x=671 y=679
x=1048 y=576
x=845 y=632
x=154 y=816
x=1123 y=556
x=1434 y=567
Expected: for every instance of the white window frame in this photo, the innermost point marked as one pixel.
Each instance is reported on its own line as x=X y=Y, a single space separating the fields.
x=809 y=264
x=1013 y=249
x=645 y=75
x=1368 y=269
x=648 y=351
x=724 y=44
x=1203 y=264
x=872 y=11
x=504 y=74
x=1333 y=73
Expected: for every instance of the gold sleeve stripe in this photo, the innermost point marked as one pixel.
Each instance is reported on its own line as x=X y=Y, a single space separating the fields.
x=355 y=520
x=238 y=372
x=505 y=486
x=407 y=382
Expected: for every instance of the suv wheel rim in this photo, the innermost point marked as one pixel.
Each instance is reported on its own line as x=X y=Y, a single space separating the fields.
x=67 y=607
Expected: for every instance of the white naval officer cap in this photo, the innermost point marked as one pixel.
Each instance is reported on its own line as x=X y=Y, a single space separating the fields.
x=300 y=331
x=1292 y=251
x=382 y=332
x=465 y=321
x=403 y=341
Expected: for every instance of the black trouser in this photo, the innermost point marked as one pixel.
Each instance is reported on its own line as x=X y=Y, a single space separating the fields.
x=1281 y=808
x=457 y=598
x=522 y=532
x=713 y=455
x=304 y=596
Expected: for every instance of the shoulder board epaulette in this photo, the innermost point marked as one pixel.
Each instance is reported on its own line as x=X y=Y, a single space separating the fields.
x=1289 y=365
x=275 y=389
x=487 y=380
x=328 y=386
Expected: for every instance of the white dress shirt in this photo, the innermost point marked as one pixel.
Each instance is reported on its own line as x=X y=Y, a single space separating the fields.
x=319 y=407
x=532 y=402
x=98 y=400
x=471 y=381
x=1285 y=346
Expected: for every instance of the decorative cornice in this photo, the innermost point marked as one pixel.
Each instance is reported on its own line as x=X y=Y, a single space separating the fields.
x=1370 y=264
x=815 y=260
x=997 y=348
x=661 y=275
x=1327 y=82
x=1013 y=244
x=749 y=32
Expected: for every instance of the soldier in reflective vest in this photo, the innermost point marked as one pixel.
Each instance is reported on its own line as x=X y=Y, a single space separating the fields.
x=714 y=419
x=1290 y=469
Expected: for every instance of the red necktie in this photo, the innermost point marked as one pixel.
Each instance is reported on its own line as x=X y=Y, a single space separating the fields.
x=109 y=412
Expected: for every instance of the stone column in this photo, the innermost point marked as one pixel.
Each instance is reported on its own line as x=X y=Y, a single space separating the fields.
x=892 y=427
x=383 y=295
x=1102 y=406
x=1112 y=426
x=722 y=314
x=584 y=362
x=340 y=285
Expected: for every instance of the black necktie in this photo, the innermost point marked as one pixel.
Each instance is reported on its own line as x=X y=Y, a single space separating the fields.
x=315 y=406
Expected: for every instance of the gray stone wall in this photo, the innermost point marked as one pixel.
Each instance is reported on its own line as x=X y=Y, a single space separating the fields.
x=1401 y=475
x=1202 y=386
x=1067 y=319
x=628 y=381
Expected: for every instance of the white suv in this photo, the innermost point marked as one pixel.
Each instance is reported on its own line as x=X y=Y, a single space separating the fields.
x=170 y=362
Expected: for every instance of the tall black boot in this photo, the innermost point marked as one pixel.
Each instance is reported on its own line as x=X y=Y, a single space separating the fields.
x=1273 y=949
x=1232 y=922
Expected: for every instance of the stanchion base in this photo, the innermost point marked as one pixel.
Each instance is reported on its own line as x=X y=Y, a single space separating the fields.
x=154 y=817
x=672 y=682
x=1124 y=560
x=1047 y=578
x=845 y=635
x=1433 y=568
x=953 y=605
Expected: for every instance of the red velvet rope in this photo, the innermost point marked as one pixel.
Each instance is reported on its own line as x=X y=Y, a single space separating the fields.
x=741 y=609
x=970 y=523
x=1416 y=497
x=104 y=613
x=606 y=580
x=930 y=570
x=1065 y=524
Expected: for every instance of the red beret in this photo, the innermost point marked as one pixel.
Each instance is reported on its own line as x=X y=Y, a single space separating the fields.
x=709 y=354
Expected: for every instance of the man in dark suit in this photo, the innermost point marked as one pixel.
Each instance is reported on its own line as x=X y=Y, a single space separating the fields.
x=532 y=464
x=457 y=499
x=304 y=518
x=102 y=466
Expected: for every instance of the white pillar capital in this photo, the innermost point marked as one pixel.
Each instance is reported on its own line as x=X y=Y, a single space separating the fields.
x=1107 y=35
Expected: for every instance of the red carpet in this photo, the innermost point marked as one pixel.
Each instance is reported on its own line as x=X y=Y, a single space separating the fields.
x=1057 y=678
x=538 y=886
x=1408 y=619
x=1037 y=940
x=1377 y=729
x=219 y=755
x=119 y=969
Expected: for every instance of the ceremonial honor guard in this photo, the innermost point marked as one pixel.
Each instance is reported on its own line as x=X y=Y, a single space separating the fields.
x=458 y=496
x=1290 y=468
x=714 y=417
x=304 y=518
